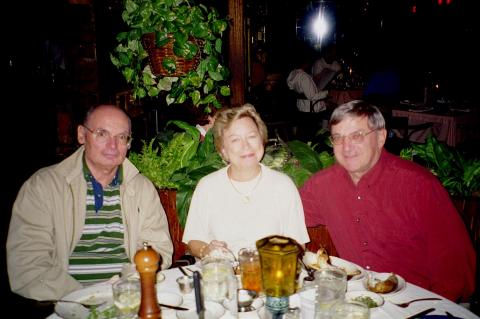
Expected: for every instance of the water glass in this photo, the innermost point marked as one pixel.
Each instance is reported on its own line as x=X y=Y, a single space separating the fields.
x=349 y=310
x=126 y=297
x=216 y=274
x=250 y=269
x=331 y=285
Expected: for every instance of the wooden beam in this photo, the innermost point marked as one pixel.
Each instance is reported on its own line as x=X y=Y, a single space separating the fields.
x=236 y=51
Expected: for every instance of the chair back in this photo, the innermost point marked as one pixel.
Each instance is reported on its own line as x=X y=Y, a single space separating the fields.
x=320 y=238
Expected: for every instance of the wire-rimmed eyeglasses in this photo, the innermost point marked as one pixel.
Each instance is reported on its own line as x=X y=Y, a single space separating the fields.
x=102 y=136
x=355 y=137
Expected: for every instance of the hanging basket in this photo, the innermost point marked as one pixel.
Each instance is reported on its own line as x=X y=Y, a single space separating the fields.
x=156 y=56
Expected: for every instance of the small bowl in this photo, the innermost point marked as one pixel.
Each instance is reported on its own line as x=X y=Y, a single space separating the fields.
x=185 y=284
x=358 y=295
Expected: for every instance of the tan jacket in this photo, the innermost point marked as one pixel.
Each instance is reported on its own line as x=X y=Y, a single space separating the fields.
x=47 y=221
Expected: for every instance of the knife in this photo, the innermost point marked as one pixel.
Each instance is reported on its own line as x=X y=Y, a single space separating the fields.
x=421 y=313
x=198 y=295
x=172 y=307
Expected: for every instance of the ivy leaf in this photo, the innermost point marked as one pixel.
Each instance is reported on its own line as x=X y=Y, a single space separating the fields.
x=169 y=64
x=225 y=90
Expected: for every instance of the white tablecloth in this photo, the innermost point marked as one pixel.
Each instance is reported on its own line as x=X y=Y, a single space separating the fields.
x=388 y=310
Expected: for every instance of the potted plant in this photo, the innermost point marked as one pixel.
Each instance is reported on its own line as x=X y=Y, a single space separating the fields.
x=194 y=35
x=459 y=174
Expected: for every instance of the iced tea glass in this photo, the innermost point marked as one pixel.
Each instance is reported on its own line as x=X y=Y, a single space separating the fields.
x=250 y=269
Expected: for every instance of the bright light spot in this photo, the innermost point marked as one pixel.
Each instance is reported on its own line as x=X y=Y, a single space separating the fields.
x=320 y=25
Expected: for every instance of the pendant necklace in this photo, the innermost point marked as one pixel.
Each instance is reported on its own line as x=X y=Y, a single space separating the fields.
x=246 y=195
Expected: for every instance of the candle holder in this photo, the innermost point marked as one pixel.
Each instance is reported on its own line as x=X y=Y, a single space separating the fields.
x=278 y=258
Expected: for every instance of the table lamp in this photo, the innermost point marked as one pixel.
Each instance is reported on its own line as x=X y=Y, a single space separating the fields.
x=278 y=258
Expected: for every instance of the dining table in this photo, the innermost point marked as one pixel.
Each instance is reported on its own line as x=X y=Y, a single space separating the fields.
x=451 y=124
x=167 y=286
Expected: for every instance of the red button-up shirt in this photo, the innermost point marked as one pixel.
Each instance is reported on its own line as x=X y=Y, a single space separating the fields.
x=397 y=219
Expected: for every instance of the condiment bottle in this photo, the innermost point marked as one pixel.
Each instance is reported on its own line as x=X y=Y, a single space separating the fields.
x=147 y=261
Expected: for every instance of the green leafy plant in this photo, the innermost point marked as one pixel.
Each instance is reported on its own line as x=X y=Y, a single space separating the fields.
x=194 y=29
x=178 y=163
x=458 y=174
x=297 y=159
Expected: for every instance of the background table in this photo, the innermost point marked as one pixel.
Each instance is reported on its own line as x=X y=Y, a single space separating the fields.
x=450 y=127
x=343 y=96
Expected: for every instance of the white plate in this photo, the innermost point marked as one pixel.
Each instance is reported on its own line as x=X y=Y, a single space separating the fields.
x=213 y=310
x=383 y=276
x=351 y=295
x=93 y=294
x=311 y=258
x=349 y=267
x=97 y=294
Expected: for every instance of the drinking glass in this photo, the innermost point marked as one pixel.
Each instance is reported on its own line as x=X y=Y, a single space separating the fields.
x=349 y=310
x=330 y=284
x=126 y=297
x=250 y=269
x=216 y=274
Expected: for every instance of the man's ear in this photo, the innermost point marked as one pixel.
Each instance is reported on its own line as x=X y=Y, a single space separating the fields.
x=81 y=134
x=382 y=137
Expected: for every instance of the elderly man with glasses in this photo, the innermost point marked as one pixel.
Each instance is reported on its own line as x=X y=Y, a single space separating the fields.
x=387 y=214
x=78 y=222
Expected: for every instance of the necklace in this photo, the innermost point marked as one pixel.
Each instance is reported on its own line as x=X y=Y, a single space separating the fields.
x=246 y=195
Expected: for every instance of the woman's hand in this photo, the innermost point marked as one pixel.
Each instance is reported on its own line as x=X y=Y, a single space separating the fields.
x=201 y=249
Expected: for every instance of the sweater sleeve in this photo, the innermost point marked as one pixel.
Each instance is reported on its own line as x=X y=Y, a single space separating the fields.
x=35 y=269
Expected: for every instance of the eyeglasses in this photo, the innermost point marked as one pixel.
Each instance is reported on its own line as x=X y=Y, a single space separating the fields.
x=102 y=136
x=355 y=137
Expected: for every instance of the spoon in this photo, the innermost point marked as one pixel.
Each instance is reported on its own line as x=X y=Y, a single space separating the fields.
x=310 y=271
x=406 y=304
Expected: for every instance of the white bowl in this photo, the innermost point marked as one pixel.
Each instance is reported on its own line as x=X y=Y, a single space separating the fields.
x=353 y=295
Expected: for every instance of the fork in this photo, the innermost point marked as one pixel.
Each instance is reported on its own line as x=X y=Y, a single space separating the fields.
x=406 y=304
x=84 y=304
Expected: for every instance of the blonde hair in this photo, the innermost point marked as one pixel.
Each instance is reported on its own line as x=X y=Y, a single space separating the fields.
x=225 y=117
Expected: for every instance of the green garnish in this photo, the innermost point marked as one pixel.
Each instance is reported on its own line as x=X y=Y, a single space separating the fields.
x=367 y=301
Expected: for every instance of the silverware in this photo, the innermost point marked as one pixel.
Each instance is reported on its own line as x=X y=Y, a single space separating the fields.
x=198 y=295
x=310 y=271
x=182 y=270
x=173 y=307
x=420 y=314
x=406 y=304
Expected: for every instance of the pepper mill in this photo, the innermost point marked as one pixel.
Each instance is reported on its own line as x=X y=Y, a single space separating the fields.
x=147 y=261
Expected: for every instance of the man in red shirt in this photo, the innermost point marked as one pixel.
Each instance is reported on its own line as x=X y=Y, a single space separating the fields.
x=388 y=214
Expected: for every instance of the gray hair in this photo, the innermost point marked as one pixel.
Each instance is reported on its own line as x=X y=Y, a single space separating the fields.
x=358 y=108
x=226 y=116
